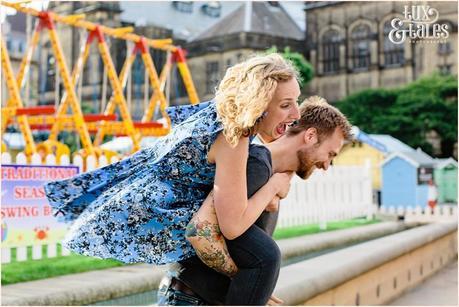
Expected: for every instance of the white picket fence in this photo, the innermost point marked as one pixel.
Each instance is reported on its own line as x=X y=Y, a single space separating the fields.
x=340 y=193
x=440 y=213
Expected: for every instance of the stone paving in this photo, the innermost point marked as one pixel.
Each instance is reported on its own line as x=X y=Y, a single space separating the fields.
x=438 y=290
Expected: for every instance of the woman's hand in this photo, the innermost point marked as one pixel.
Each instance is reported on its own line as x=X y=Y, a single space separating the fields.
x=282 y=183
x=274 y=301
x=273 y=205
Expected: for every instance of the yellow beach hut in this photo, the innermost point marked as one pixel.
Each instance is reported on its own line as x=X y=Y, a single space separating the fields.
x=372 y=147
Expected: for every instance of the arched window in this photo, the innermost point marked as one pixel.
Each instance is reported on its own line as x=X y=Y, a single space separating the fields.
x=213 y=76
x=394 y=54
x=212 y=9
x=330 y=48
x=183 y=6
x=50 y=72
x=444 y=48
x=360 y=47
x=9 y=44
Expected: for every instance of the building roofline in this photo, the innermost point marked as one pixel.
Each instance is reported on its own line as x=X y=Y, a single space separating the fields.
x=446 y=162
x=319 y=4
x=400 y=155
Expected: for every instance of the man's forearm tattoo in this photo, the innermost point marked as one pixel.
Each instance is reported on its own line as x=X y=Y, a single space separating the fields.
x=210 y=246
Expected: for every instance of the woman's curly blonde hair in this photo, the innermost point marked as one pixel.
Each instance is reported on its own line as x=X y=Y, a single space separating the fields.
x=246 y=90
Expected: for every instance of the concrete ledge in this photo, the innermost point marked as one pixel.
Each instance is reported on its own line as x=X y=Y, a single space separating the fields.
x=301 y=282
x=305 y=244
x=84 y=288
x=101 y=285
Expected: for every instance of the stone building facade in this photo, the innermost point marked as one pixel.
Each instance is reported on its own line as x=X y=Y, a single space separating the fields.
x=14 y=32
x=253 y=27
x=348 y=45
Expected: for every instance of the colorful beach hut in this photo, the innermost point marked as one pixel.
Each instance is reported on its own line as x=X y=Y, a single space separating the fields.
x=405 y=179
x=445 y=175
x=372 y=147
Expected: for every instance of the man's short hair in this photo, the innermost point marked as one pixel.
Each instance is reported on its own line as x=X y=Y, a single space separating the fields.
x=317 y=113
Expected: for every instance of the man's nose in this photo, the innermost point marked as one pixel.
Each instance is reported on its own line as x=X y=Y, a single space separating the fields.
x=325 y=165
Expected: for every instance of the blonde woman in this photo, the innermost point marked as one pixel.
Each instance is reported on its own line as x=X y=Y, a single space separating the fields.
x=137 y=209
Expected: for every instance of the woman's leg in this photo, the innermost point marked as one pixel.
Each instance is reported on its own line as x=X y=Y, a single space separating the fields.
x=258 y=259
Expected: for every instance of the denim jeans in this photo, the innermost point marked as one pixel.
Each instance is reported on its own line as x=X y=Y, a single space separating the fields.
x=171 y=297
x=258 y=258
x=177 y=298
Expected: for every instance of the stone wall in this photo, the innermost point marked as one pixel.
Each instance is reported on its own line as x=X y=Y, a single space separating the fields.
x=420 y=58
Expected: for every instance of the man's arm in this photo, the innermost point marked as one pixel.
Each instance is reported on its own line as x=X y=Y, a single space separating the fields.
x=204 y=233
x=206 y=238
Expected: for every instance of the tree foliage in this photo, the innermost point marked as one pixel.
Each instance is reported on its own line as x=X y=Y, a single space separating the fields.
x=410 y=112
x=301 y=64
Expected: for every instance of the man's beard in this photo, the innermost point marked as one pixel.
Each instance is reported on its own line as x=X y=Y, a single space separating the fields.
x=306 y=166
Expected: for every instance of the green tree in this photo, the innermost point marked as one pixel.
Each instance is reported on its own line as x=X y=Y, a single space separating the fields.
x=304 y=67
x=431 y=104
x=368 y=109
x=410 y=112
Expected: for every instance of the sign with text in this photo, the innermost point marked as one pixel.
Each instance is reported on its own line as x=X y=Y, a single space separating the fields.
x=425 y=174
x=419 y=22
x=27 y=218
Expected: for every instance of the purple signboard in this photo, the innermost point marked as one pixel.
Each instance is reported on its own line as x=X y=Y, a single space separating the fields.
x=27 y=218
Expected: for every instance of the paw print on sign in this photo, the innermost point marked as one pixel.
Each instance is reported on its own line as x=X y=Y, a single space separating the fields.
x=41 y=233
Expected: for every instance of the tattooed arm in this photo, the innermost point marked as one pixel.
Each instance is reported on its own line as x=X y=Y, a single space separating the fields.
x=205 y=236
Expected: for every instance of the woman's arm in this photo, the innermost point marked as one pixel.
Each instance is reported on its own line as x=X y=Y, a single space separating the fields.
x=206 y=238
x=234 y=213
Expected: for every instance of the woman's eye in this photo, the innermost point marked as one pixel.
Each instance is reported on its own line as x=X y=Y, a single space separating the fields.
x=285 y=106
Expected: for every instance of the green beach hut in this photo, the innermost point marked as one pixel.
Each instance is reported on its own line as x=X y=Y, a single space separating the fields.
x=445 y=175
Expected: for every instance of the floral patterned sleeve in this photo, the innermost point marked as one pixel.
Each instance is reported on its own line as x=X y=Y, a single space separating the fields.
x=179 y=114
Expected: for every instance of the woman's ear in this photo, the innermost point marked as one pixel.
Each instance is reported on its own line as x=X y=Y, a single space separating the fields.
x=310 y=136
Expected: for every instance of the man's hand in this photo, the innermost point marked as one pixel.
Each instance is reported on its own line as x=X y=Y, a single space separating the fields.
x=274 y=301
x=273 y=206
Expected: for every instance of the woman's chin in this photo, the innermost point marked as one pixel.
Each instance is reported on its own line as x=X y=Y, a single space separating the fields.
x=274 y=137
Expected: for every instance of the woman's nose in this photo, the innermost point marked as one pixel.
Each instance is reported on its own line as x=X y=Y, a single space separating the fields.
x=295 y=113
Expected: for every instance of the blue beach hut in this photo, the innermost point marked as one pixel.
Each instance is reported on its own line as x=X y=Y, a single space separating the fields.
x=405 y=179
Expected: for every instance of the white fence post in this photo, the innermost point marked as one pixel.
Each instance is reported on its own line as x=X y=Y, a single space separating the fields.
x=6 y=158
x=91 y=163
x=78 y=161
x=21 y=253
x=342 y=192
x=37 y=252
x=368 y=188
x=6 y=255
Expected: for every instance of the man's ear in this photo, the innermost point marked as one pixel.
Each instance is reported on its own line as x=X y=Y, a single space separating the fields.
x=310 y=136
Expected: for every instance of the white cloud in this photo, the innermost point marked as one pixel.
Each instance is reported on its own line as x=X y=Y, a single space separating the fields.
x=37 y=5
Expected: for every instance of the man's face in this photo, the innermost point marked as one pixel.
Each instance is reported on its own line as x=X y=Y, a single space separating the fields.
x=319 y=155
